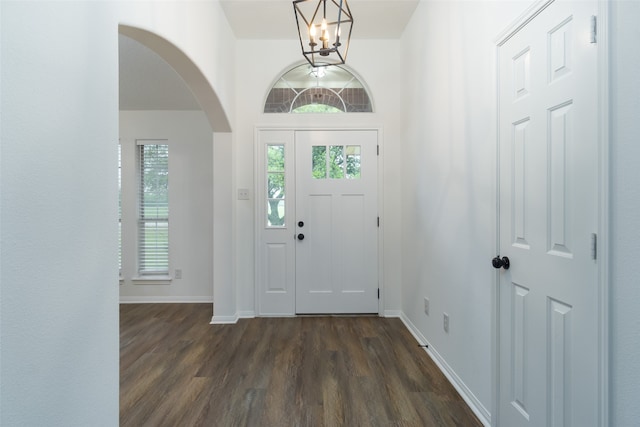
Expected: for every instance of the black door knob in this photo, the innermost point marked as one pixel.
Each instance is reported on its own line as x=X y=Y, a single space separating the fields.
x=300 y=224
x=501 y=262
x=300 y=236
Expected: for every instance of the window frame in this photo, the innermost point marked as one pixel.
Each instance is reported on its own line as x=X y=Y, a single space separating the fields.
x=142 y=219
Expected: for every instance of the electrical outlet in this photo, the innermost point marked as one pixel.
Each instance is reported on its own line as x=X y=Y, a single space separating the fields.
x=446 y=322
x=426 y=306
x=178 y=274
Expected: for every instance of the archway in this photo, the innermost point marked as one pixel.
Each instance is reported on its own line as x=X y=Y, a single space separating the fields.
x=218 y=123
x=188 y=70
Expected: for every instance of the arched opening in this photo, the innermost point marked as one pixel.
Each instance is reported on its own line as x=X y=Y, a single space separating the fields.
x=201 y=190
x=188 y=70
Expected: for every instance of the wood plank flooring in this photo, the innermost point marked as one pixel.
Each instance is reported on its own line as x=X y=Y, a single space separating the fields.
x=178 y=370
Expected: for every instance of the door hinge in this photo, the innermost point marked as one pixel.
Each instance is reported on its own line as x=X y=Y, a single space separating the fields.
x=378 y=222
x=377 y=150
x=378 y=293
x=594 y=29
x=594 y=246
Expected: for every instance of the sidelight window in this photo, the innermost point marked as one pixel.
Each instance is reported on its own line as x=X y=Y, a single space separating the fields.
x=275 y=186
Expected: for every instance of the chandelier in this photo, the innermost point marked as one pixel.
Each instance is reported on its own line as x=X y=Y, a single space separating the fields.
x=321 y=25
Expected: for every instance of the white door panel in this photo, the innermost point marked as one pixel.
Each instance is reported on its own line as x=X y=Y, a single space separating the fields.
x=548 y=314
x=336 y=262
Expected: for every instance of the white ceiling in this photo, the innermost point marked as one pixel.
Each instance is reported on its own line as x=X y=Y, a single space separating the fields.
x=274 y=19
x=147 y=82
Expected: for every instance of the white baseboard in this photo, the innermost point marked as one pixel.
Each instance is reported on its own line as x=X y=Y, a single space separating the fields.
x=224 y=320
x=393 y=313
x=163 y=299
x=476 y=406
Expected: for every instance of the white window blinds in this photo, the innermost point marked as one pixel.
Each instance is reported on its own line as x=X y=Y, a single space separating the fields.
x=119 y=208
x=153 y=199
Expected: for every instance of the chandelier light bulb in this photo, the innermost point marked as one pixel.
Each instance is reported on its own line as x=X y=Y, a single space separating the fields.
x=312 y=35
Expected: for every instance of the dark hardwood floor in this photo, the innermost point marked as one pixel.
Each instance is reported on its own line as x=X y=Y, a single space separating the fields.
x=178 y=370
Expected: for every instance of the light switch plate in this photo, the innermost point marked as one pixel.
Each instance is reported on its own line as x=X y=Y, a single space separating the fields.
x=243 y=194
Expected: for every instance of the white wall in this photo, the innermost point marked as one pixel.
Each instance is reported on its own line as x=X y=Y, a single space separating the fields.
x=58 y=195
x=625 y=220
x=58 y=199
x=259 y=64
x=224 y=291
x=448 y=164
x=190 y=141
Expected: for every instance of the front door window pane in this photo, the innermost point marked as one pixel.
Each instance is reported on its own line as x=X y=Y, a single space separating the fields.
x=336 y=161
x=352 y=153
x=319 y=161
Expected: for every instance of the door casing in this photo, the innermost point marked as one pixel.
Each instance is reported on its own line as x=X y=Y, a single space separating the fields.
x=259 y=200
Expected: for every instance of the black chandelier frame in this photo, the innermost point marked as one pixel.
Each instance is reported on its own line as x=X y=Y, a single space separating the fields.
x=321 y=51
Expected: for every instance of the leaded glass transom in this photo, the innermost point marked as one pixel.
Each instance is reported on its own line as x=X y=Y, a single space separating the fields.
x=304 y=89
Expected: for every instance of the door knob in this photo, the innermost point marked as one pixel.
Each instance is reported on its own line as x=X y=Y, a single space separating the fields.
x=501 y=262
x=300 y=236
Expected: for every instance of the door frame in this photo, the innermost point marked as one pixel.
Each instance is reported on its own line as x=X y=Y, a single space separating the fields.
x=259 y=198
x=603 y=237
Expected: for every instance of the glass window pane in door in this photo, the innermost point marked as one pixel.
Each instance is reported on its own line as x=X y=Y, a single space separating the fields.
x=276 y=179
x=336 y=161
x=275 y=162
x=319 y=161
x=352 y=153
x=275 y=213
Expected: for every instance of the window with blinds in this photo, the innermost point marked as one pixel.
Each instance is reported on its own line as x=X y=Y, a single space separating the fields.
x=119 y=208
x=153 y=208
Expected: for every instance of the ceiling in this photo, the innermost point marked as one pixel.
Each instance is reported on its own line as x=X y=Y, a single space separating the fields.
x=147 y=82
x=274 y=19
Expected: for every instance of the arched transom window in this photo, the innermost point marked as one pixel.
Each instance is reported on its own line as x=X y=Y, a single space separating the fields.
x=304 y=89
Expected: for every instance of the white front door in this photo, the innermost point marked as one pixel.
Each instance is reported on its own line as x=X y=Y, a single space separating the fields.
x=336 y=220
x=321 y=185
x=548 y=310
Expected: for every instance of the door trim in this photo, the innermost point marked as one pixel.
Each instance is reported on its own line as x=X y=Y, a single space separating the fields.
x=258 y=198
x=603 y=240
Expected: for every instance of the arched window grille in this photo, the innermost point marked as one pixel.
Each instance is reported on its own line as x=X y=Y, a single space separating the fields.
x=304 y=89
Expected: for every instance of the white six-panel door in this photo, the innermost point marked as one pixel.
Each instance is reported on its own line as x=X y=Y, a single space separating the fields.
x=548 y=312
x=317 y=228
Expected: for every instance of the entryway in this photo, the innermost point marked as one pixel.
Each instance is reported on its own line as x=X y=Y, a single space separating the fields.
x=317 y=222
